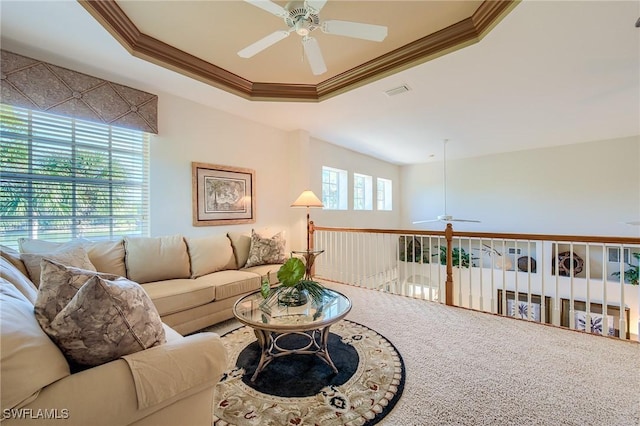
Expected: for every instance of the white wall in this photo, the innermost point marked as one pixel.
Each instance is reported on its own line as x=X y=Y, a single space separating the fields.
x=286 y=163
x=321 y=154
x=193 y=132
x=583 y=189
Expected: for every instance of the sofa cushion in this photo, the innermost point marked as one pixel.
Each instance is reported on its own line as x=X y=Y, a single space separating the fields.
x=231 y=283
x=241 y=244
x=29 y=360
x=105 y=320
x=10 y=273
x=170 y=296
x=107 y=256
x=59 y=284
x=210 y=254
x=265 y=251
x=14 y=258
x=155 y=259
x=71 y=254
x=270 y=271
x=34 y=245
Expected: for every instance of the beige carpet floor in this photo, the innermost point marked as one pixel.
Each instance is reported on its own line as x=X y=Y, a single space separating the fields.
x=471 y=368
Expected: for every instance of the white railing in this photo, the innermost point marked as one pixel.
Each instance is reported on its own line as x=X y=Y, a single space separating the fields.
x=578 y=282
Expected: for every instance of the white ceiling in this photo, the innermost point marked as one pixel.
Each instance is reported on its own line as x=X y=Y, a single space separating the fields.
x=551 y=73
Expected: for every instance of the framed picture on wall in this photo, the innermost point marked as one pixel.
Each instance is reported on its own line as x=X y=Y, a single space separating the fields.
x=522 y=307
x=595 y=324
x=222 y=195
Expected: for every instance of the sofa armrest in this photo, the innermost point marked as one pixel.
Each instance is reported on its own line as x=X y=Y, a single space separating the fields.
x=163 y=372
x=107 y=394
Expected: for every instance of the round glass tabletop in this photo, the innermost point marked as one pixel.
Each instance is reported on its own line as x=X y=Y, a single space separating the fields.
x=275 y=316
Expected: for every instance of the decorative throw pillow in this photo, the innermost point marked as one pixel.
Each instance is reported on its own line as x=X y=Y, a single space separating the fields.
x=265 y=251
x=58 y=286
x=70 y=255
x=105 y=320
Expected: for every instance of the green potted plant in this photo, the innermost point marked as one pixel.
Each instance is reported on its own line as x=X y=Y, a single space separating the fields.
x=459 y=256
x=295 y=289
x=631 y=275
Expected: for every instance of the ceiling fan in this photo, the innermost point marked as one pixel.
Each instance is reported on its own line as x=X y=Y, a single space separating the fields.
x=303 y=17
x=445 y=217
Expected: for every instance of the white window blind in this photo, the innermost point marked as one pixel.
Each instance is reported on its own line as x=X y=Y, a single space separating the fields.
x=63 y=178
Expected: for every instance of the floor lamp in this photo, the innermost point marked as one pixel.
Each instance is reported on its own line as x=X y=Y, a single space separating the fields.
x=307 y=199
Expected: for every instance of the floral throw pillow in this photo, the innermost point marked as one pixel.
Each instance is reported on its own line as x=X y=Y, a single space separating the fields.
x=58 y=286
x=95 y=318
x=266 y=251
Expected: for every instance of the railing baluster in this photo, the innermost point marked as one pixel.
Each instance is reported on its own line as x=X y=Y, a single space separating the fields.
x=623 y=320
x=372 y=259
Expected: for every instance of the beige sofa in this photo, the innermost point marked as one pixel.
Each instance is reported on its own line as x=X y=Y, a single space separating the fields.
x=39 y=388
x=193 y=282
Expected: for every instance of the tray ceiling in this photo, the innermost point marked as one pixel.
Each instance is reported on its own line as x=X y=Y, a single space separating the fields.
x=201 y=39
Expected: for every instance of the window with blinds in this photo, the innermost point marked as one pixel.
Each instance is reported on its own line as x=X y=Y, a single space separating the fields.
x=63 y=178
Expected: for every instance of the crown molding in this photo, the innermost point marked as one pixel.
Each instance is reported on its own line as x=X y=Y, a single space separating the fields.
x=459 y=35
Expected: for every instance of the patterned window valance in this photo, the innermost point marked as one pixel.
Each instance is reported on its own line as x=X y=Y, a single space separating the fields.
x=34 y=84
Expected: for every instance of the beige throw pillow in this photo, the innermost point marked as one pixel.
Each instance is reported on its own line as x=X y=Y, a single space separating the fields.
x=210 y=254
x=69 y=255
x=105 y=320
x=156 y=259
x=265 y=251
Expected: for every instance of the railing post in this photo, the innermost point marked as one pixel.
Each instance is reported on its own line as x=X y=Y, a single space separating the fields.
x=448 y=234
x=312 y=270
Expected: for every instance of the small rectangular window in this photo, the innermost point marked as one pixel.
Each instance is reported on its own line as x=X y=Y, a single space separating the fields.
x=614 y=255
x=384 y=194
x=362 y=192
x=334 y=188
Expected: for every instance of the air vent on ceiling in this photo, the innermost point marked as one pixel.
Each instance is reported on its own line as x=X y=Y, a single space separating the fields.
x=397 y=90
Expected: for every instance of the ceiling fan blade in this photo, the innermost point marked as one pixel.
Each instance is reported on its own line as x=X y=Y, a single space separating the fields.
x=262 y=44
x=355 y=29
x=270 y=7
x=425 y=221
x=314 y=55
x=464 y=220
x=316 y=5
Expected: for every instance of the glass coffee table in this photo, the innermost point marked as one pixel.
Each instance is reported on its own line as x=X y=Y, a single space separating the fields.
x=273 y=321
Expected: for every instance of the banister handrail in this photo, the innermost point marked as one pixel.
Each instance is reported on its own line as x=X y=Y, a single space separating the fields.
x=489 y=235
x=449 y=234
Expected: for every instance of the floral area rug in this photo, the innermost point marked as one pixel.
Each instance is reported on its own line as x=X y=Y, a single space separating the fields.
x=302 y=389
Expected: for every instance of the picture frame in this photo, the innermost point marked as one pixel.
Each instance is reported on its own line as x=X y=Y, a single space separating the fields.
x=222 y=195
x=521 y=309
x=580 y=308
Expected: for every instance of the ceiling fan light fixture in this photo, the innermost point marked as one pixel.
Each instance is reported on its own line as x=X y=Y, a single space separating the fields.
x=302 y=28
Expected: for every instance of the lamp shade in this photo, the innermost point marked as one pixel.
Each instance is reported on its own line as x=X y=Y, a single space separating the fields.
x=307 y=199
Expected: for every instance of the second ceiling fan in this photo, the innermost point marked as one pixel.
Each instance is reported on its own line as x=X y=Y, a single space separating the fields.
x=302 y=17
x=445 y=217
